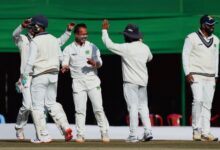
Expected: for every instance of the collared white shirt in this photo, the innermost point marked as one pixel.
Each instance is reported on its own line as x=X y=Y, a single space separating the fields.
x=75 y=56
x=23 y=44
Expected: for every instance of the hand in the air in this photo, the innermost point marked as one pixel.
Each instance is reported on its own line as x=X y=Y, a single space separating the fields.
x=105 y=24
x=70 y=26
x=25 y=23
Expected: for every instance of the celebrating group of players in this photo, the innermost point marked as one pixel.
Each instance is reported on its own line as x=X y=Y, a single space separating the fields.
x=41 y=58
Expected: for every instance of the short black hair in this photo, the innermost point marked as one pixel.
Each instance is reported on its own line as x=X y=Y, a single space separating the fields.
x=129 y=39
x=78 y=26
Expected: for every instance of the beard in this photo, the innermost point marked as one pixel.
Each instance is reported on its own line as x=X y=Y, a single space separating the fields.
x=209 y=31
x=81 y=39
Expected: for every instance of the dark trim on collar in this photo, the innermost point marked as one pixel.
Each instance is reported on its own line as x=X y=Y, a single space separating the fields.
x=28 y=36
x=207 y=44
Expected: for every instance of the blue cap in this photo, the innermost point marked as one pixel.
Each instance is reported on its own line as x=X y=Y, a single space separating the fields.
x=40 y=20
x=208 y=20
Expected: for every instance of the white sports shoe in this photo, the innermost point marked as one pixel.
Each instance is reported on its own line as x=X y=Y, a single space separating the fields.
x=80 y=139
x=147 y=137
x=196 y=135
x=105 y=137
x=20 y=134
x=132 y=139
x=37 y=141
x=208 y=137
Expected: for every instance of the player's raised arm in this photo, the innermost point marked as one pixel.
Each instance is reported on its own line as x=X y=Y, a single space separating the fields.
x=114 y=47
x=16 y=33
x=66 y=35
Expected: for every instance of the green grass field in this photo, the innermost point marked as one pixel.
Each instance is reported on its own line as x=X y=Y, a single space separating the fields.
x=113 y=145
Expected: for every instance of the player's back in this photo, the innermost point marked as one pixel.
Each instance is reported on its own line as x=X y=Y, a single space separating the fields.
x=134 y=60
x=48 y=53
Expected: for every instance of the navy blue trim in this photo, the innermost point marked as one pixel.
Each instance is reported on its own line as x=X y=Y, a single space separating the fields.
x=28 y=36
x=207 y=44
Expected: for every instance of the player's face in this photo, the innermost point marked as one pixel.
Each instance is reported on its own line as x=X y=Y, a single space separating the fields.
x=81 y=36
x=209 y=29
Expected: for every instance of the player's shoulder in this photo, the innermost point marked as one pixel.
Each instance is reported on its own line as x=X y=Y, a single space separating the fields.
x=43 y=35
x=70 y=46
x=146 y=47
x=51 y=36
x=23 y=38
x=92 y=45
x=138 y=44
x=144 y=44
x=88 y=43
x=215 y=38
x=192 y=35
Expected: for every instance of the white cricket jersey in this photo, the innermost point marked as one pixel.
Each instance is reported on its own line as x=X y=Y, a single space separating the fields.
x=75 y=56
x=45 y=54
x=201 y=55
x=23 y=43
x=134 y=55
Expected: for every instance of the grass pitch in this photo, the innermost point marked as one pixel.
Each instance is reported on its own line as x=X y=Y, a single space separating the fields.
x=113 y=145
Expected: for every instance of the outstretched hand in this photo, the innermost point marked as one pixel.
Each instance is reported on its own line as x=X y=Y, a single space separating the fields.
x=105 y=24
x=70 y=26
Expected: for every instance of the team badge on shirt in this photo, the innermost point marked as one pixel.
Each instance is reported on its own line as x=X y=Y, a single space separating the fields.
x=87 y=52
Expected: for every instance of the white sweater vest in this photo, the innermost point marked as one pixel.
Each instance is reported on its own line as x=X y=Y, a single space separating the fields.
x=202 y=58
x=48 y=53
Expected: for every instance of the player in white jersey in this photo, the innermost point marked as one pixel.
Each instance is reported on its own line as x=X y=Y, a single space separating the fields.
x=135 y=54
x=83 y=59
x=23 y=43
x=43 y=66
x=200 y=63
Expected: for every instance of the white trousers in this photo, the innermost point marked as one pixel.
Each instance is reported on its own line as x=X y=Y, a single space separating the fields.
x=25 y=109
x=44 y=92
x=137 y=103
x=203 y=89
x=80 y=101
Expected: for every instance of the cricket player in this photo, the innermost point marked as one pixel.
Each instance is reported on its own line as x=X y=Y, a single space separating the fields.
x=23 y=43
x=200 y=63
x=43 y=66
x=135 y=54
x=83 y=59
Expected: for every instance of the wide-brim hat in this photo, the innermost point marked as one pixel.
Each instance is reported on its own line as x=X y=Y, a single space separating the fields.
x=132 y=31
